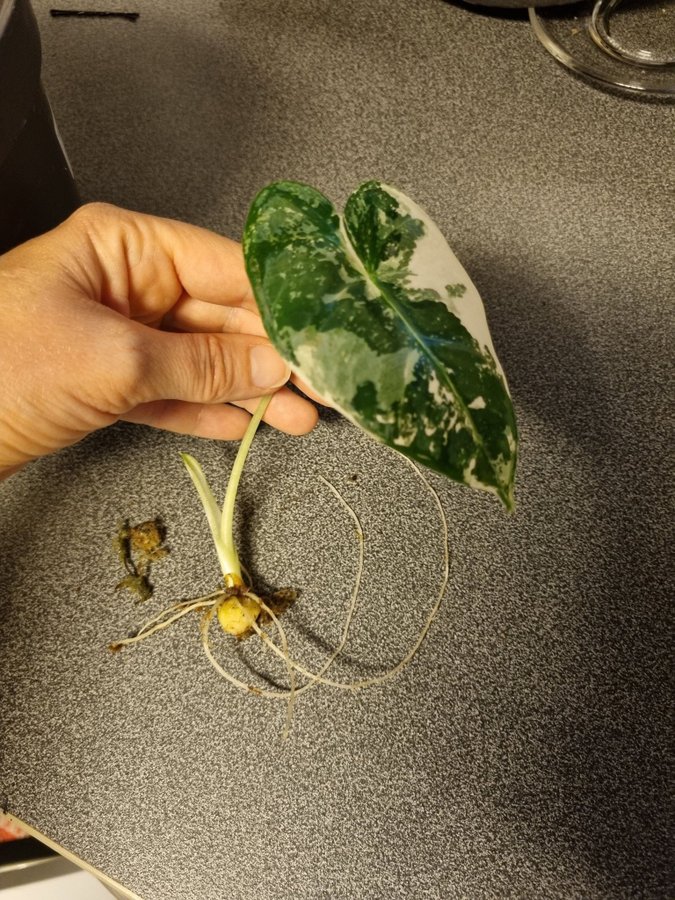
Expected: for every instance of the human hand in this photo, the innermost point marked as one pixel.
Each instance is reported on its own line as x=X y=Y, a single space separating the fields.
x=117 y=315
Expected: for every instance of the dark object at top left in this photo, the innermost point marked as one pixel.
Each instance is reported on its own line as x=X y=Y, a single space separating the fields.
x=37 y=188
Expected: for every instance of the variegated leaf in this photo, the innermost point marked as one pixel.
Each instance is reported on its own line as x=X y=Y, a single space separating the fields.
x=374 y=311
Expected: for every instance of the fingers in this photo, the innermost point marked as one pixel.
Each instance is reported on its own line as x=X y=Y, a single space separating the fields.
x=76 y=304
x=164 y=272
x=203 y=368
x=146 y=263
x=191 y=314
x=287 y=412
x=207 y=385
x=186 y=379
x=218 y=421
x=225 y=422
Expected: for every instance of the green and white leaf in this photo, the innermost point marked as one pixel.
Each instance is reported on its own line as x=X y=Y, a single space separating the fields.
x=374 y=311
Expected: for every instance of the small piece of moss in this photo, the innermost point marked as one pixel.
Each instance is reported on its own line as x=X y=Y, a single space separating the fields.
x=138 y=547
x=137 y=584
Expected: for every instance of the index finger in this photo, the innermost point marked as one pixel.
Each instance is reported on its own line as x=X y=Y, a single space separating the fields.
x=155 y=269
x=151 y=262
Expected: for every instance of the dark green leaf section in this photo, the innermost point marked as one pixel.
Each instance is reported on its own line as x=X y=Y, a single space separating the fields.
x=301 y=273
x=344 y=307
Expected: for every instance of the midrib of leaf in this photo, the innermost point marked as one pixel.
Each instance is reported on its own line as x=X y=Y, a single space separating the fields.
x=419 y=339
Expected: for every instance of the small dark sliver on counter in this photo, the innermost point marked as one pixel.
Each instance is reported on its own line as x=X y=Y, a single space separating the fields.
x=93 y=14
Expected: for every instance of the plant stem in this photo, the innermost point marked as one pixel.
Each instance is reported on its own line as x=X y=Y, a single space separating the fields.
x=233 y=484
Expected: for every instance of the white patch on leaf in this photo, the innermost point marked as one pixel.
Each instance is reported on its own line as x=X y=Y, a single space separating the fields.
x=433 y=266
x=337 y=362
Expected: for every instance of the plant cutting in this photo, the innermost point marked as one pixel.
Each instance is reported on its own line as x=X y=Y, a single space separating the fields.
x=376 y=314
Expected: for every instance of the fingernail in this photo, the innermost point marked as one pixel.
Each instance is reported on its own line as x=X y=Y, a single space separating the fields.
x=268 y=370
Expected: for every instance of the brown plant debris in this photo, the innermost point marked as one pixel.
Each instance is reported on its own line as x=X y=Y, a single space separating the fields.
x=139 y=547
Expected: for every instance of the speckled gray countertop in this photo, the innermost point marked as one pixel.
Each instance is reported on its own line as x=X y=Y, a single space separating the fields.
x=523 y=752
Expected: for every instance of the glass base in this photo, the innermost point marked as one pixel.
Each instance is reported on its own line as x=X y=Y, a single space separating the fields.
x=629 y=46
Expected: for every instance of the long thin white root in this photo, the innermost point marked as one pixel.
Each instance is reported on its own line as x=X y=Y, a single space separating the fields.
x=390 y=673
x=317 y=677
x=209 y=603
x=285 y=654
x=167 y=617
x=385 y=676
x=289 y=695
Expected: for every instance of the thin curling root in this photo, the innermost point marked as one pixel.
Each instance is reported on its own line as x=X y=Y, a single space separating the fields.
x=239 y=612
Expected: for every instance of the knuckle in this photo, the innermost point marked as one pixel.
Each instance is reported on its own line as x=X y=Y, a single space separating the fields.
x=88 y=222
x=131 y=373
x=215 y=369
x=91 y=213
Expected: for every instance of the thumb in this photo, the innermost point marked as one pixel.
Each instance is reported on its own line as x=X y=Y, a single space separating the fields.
x=208 y=368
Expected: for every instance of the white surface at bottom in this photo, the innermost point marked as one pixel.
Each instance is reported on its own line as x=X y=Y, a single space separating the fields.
x=54 y=880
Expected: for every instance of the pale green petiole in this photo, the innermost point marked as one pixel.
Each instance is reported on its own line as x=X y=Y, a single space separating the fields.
x=220 y=522
x=233 y=484
x=229 y=562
